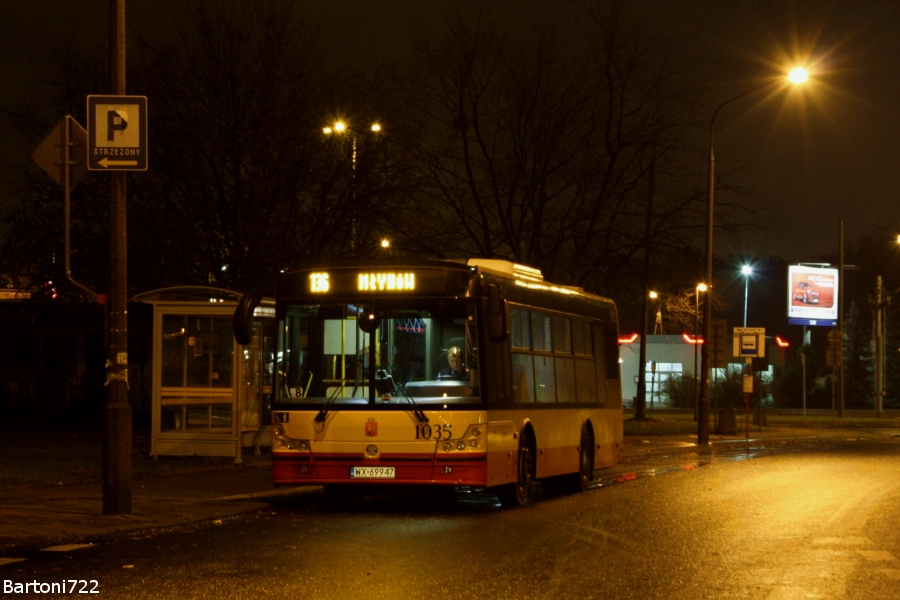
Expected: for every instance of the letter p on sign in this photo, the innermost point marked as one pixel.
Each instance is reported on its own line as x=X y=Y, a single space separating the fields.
x=115 y=122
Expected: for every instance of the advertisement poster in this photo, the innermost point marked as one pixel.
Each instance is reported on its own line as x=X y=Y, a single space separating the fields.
x=812 y=295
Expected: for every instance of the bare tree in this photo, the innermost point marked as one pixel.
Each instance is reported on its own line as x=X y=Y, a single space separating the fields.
x=242 y=181
x=537 y=146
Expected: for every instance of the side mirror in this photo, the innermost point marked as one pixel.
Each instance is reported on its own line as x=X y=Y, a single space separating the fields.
x=242 y=324
x=497 y=311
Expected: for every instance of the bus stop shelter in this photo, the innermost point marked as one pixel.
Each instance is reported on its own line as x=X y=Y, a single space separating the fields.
x=210 y=395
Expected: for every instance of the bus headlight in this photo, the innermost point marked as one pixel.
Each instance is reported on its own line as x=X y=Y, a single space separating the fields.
x=280 y=440
x=448 y=446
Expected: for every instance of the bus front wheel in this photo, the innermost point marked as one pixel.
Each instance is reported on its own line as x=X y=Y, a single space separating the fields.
x=516 y=494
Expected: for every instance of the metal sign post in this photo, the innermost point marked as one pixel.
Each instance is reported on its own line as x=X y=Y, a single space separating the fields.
x=117 y=434
x=62 y=155
x=750 y=343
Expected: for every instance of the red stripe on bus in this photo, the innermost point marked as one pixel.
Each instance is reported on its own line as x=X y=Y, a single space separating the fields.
x=288 y=471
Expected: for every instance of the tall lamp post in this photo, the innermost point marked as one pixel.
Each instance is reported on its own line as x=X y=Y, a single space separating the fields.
x=640 y=401
x=747 y=270
x=797 y=76
x=701 y=287
x=340 y=128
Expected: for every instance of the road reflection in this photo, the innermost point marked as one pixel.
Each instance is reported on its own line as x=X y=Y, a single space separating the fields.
x=417 y=500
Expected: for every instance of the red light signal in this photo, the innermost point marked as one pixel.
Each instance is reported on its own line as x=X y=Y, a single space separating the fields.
x=690 y=339
x=624 y=341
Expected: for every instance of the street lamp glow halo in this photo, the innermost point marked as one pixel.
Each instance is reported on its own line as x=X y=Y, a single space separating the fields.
x=701 y=287
x=746 y=269
x=798 y=76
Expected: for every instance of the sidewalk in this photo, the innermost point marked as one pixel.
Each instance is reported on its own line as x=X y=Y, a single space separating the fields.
x=64 y=503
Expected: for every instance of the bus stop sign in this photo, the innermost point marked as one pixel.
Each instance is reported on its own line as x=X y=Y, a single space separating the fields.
x=749 y=342
x=117 y=133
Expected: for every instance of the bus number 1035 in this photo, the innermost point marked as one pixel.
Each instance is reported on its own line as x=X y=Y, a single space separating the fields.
x=427 y=431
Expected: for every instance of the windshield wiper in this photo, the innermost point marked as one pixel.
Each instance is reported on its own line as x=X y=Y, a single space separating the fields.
x=320 y=417
x=416 y=409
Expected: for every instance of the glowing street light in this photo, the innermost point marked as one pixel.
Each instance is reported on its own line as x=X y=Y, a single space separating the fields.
x=747 y=270
x=796 y=77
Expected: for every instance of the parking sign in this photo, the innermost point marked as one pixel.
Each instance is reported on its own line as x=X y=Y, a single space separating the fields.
x=117 y=133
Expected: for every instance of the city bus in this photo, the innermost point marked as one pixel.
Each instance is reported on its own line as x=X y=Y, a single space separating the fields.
x=472 y=373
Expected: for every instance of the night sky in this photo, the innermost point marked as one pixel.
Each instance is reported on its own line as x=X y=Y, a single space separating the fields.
x=810 y=159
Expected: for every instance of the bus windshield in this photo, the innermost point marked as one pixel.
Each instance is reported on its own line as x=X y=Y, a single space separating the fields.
x=424 y=352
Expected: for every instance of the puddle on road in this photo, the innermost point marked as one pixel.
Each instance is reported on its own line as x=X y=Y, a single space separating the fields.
x=660 y=463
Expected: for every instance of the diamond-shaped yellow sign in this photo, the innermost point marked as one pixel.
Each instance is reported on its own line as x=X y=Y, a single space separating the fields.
x=51 y=154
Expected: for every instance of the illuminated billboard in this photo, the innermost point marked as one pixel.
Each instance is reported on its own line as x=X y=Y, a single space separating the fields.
x=812 y=296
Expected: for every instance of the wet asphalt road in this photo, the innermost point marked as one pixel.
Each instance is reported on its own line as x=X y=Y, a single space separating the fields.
x=784 y=522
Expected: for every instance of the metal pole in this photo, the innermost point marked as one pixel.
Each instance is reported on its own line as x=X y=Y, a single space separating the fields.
x=879 y=346
x=117 y=417
x=640 y=400
x=748 y=389
x=841 y=317
x=746 y=290
x=67 y=186
x=703 y=409
x=696 y=333
x=803 y=364
x=703 y=403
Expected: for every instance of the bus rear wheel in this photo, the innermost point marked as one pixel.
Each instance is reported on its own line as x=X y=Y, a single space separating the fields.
x=581 y=481
x=516 y=494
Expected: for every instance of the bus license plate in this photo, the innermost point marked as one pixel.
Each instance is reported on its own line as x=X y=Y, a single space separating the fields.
x=372 y=472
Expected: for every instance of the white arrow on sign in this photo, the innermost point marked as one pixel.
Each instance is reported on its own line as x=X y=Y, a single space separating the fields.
x=106 y=163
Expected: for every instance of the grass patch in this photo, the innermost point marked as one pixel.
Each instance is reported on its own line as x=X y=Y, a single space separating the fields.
x=828 y=421
x=668 y=423
x=682 y=423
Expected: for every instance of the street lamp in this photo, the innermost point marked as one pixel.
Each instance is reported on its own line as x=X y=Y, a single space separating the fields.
x=338 y=128
x=747 y=270
x=701 y=287
x=640 y=401
x=796 y=77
